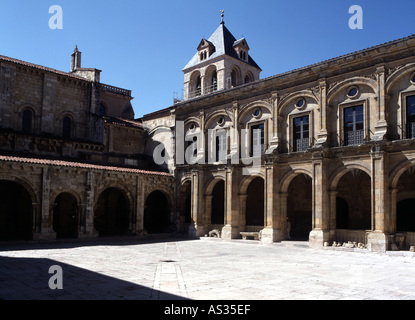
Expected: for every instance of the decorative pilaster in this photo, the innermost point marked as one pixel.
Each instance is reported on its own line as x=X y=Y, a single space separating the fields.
x=381 y=126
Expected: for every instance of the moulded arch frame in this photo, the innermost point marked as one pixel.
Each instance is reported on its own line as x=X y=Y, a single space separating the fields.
x=289 y=177
x=355 y=81
x=289 y=99
x=397 y=75
x=340 y=172
x=246 y=181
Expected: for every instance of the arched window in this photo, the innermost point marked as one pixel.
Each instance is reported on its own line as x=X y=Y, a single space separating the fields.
x=102 y=110
x=27 y=120
x=67 y=127
x=214 y=81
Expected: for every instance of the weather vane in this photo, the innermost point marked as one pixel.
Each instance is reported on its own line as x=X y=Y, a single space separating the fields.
x=222 y=15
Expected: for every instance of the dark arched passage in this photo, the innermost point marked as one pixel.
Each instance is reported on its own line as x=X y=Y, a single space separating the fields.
x=15 y=212
x=65 y=216
x=157 y=213
x=299 y=207
x=255 y=203
x=218 y=203
x=112 y=213
x=355 y=189
x=405 y=216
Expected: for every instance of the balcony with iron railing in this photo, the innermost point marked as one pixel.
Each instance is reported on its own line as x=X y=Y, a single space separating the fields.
x=198 y=92
x=410 y=133
x=301 y=144
x=354 y=138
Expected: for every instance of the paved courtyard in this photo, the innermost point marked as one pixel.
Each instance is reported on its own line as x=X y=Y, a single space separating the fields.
x=205 y=269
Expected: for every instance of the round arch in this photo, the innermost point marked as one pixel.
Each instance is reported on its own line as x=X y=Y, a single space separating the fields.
x=112 y=212
x=340 y=172
x=157 y=213
x=339 y=87
x=66 y=215
x=16 y=211
x=251 y=106
x=246 y=180
x=255 y=202
x=288 y=177
x=289 y=99
x=398 y=74
x=353 y=187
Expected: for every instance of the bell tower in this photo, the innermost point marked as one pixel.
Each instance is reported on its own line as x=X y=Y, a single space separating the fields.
x=221 y=63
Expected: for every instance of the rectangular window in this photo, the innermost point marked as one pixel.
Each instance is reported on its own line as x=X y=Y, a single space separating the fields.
x=257 y=140
x=301 y=133
x=353 y=126
x=191 y=151
x=221 y=147
x=410 y=117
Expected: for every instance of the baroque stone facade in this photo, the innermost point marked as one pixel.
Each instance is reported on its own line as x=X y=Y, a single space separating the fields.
x=323 y=153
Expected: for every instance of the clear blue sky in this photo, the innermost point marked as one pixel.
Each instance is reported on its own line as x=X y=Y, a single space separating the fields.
x=144 y=45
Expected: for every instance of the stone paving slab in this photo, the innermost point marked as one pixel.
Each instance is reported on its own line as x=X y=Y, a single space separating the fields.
x=205 y=269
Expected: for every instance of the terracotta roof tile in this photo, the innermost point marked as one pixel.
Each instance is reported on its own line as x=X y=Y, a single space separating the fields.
x=32 y=65
x=80 y=165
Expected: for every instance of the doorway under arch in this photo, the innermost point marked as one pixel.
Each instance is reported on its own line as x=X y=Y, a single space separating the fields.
x=218 y=203
x=355 y=190
x=299 y=207
x=65 y=216
x=405 y=216
x=254 y=214
x=15 y=212
x=157 y=217
x=112 y=214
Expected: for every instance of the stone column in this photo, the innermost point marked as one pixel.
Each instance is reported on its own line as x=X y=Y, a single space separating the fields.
x=378 y=239
x=46 y=229
x=283 y=198
x=332 y=214
x=89 y=205
x=197 y=228
x=231 y=228
x=320 y=232
x=272 y=231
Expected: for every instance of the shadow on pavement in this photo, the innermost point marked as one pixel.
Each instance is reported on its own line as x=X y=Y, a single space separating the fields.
x=28 y=279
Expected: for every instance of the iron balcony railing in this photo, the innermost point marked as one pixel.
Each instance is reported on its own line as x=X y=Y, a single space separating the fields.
x=410 y=134
x=301 y=144
x=354 y=138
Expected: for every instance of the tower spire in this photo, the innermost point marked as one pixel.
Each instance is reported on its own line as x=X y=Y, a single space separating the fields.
x=222 y=16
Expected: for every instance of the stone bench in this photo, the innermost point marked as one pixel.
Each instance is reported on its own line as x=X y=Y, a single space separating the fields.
x=246 y=235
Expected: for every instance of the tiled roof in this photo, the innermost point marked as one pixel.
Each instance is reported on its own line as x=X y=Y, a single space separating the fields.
x=80 y=165
x=123 y=122
x=223 y=40
x=39 y=67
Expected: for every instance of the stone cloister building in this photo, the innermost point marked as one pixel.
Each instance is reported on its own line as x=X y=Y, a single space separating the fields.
x=322 y=153
x=72 y=158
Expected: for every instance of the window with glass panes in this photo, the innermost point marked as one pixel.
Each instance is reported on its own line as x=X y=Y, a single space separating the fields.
x=221 y=146
x=257 y=140
x=301 y=133
x=353 y=126
x=410 y=117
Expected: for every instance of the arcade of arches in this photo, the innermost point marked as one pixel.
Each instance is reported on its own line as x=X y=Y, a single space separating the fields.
x=225 y=200
x=56 y=202
x=340 y=204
